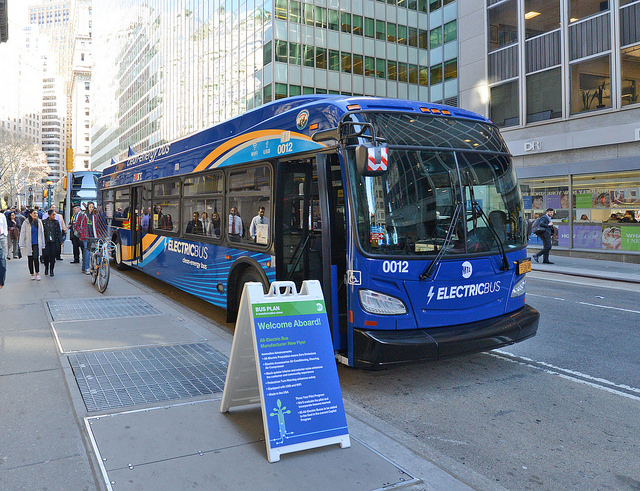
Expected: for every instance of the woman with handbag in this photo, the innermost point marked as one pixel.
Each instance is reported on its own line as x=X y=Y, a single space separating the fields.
x=32 y=240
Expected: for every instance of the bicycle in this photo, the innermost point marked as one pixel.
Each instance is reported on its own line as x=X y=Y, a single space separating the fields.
x=99 y=265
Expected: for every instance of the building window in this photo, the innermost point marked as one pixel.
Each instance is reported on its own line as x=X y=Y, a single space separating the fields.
x=436 y=74
x=579 y=9
x=369 y=66
x=402 y=72
x=346 y=62
x=413 y=37
x=267 y=93
x=294 y=53
x=392 y=70
x=321 y=58
x=435 y=37
x=590 y=85
x=381 y=66
x=334 y=60
x=358 y=64
x=281 y=91
x=307 y=13
x=630 y=68
x=281 y=54
x=402 y=35
x=450 y=31
x=294 y=90
x=369 y=27
x=541 y=16
x=451 y=69
x=391 y=33
x=334 y=17
x=321 y=17
x=345 y=21
x=280 y=11
x=294 y=11
x=544 y=95
x=357 y=25
x=504 y=104
x=503 y=24
x=266 y=54
x=309 y=58
x=381 y=30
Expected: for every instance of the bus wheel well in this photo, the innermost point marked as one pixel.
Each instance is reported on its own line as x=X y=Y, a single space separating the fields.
x=241 y=273
x=117 y=254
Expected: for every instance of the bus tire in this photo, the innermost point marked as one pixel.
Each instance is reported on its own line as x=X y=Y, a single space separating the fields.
x=117 y=255
x=247 y=275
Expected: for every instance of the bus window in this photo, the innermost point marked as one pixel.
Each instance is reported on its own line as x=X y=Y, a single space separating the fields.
x=166 y=206
x=249 y=190
x=202 y=195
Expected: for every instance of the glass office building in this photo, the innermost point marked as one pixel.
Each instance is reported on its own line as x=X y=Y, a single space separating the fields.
x=167 y=68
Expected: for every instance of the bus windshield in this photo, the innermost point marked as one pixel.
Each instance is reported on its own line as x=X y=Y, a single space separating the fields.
x=409 y=210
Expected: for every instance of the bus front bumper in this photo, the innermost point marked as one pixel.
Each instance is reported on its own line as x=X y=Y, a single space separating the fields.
x=378 y=349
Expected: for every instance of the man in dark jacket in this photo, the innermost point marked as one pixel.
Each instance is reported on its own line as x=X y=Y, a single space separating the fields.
x=545 y=232
x=52 y=236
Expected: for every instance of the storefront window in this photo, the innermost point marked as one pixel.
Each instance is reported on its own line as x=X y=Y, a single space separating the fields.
x=630 y=62
x=605 y=210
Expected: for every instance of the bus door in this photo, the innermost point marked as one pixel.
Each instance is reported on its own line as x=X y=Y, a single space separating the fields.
x=139 y=221
x=298 y=224
x=311 y=225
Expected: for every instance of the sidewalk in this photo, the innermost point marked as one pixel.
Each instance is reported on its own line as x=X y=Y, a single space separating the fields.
x=122 y=391
x=590 y=268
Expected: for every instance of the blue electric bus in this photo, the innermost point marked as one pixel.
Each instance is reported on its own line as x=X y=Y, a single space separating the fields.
x=408 y=213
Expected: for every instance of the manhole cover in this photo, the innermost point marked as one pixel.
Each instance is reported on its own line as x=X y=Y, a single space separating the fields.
x=99 y=308
x=116 y=379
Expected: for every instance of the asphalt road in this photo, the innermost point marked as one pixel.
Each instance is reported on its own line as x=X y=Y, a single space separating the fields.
x=558 y=411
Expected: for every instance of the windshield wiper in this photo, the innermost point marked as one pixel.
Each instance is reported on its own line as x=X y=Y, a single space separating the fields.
x=476 y=206
x=454 y=221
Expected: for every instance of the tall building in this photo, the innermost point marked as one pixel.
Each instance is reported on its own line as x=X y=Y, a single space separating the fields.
x=174 y=67
x=53 y=125
x=562 y=79
x=79 y=88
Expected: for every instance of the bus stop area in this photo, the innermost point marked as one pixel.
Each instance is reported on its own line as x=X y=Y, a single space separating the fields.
x=122 y=390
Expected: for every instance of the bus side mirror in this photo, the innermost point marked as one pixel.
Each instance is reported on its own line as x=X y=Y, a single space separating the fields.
x=371 y=160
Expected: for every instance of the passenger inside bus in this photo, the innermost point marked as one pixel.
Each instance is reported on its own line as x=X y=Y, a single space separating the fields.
x=195 y=225
x=215 y=224
x=235 y=225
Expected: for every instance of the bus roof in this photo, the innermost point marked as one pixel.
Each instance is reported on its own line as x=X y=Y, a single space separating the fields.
x=322 y=112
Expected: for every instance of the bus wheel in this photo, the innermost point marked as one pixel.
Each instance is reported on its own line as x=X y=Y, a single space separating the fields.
x=117 y=255
x=246 y=276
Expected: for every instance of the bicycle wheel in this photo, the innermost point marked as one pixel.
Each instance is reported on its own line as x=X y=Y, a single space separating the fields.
x=92 y=268
x=103 y=274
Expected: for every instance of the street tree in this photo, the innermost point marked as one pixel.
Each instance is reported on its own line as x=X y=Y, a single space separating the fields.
x=22 y=165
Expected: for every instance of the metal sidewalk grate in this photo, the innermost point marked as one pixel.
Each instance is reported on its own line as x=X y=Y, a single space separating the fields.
x=116 y=379
x=99 y=308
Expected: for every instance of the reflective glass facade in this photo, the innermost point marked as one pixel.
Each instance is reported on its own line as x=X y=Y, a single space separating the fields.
x=167 y=68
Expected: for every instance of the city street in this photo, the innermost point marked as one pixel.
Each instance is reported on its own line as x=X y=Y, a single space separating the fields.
x=559 y=411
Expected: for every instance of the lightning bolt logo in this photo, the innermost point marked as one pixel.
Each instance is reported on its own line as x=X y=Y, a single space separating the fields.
x=430 y=295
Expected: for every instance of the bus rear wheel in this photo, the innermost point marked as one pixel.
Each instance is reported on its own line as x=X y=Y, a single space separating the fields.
x=117 y=255
x=246 y=276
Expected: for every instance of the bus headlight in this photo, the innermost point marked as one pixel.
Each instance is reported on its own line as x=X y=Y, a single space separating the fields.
x=379 y=303
x=520 y=288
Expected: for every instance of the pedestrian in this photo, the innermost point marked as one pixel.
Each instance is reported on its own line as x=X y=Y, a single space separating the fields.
x=86 y=229
x=73 y=235
x=52 y=233
x=543 y=228
x=14 y=236
x=32 y=240
x=63 y=229
x=4 y=232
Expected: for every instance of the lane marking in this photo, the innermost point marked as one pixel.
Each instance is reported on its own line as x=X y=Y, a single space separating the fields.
x=607 y=307
x=545 y=296
x=571 y=375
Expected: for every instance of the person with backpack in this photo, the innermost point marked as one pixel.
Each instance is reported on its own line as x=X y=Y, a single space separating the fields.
x=543 y=228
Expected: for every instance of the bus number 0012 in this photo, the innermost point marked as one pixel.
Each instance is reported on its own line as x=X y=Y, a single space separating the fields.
x=395 y=266
x=285 y=147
